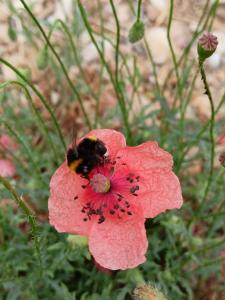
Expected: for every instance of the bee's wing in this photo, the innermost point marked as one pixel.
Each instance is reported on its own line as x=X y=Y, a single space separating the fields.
x=74 y=137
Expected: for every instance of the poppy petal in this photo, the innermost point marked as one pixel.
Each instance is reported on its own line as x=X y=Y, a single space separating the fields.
x=159 y=191
x=146 y=156
x=118 y=246
x=64 y=208
x=159 y=187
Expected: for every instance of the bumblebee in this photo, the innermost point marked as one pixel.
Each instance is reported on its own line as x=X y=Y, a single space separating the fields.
x=89 y=153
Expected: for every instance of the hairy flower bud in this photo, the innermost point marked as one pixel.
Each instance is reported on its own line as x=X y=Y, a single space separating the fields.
x=148 y=292
x=207 y=45
x=136 y=32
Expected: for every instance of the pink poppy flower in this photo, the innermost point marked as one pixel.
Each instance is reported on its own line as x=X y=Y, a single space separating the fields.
x=7 y=143
x=110 y=208
x=7 y=168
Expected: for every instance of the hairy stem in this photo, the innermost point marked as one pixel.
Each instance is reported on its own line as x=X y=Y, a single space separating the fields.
x=197 y=32
x=139 y=10
x=211 y=128
x=172 y=50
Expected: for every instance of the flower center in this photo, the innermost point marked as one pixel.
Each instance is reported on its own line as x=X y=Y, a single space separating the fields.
x=100 y=183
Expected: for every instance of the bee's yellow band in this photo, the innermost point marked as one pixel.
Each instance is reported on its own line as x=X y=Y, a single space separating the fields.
x=92 y=138
x=73 y=166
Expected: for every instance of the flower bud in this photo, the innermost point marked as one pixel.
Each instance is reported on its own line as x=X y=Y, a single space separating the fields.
x=77 y=241
x=11 y=29
x=207 y=45
x=42 y=58
x=148 y=292
x=135 y=276
x=136 y=32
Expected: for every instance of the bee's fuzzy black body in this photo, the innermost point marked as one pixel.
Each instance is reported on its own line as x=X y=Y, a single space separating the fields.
x=89 y=153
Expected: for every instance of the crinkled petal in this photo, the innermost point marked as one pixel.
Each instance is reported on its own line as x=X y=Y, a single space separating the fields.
x=159 y=191
x=159 y=187
x=65 y=211
x=146 y=156
x=113 y=139
x=119 y=245
x=7 y=168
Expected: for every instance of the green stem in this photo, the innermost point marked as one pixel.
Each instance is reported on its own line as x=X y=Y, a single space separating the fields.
x=123 y=59
x=187 y=100
x=194 y=37
x=211 y=129
x=27 y=150
x=124 y=62
x=150 y=57
x=40 y=121
x=40 y=96
x=116 y=86
x=172 y=50
x=198 y=136
x=153 y=66
x=30 y=218
x=183 y=261
x=213 y=215
x=208 y=263
x=213 y=13
x=101 y=12
x=139 y=10
x=75 y=54
x=117 y=42
x=73 y=88
x=184 y=109
x=120 y=53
